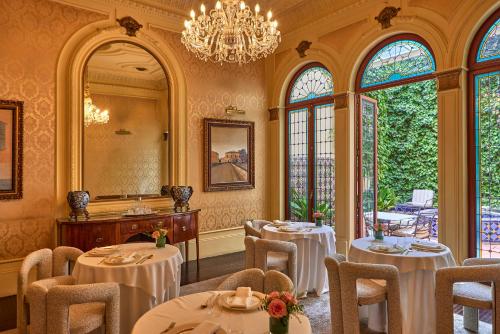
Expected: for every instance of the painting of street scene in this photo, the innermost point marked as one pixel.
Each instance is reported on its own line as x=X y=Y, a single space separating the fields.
x=228 y=155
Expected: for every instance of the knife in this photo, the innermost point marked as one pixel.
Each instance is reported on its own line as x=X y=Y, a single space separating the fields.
x=144 y=259
x=172 y=325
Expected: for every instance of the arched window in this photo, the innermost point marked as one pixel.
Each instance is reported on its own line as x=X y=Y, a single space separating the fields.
x=310 y=154
x=396 y=133
x=484 y=140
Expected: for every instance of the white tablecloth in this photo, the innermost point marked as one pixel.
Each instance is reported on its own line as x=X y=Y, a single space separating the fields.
x=187 y=309
x=313 y=245
x=142 y=286
x=417 y=283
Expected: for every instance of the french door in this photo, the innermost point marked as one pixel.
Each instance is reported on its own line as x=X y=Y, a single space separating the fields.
x=367 y=168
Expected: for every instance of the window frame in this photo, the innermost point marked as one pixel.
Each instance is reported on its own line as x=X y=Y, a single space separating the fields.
x=310 y=106
x=476 y=68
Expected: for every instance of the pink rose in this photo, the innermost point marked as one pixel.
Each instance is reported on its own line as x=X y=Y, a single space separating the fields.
x=317 y=214
x=155 y=234
x=288 y=298
x=277 y=309
x=273 y=295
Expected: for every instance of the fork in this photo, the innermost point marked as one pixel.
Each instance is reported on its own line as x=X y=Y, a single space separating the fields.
x=172 y=325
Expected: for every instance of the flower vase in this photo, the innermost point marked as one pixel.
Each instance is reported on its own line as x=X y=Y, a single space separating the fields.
x=379 y=235
x=319 y=222
x=161 y=241
x=278 y=326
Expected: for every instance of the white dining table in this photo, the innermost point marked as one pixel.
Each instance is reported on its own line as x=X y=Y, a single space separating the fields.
x=313 y=245
x=142 y=286
x=417 y=271
x=188 y=310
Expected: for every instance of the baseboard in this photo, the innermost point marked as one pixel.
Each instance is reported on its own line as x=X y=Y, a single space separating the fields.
x=219 y=242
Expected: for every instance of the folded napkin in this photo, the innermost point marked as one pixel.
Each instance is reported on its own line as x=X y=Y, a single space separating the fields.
x=206 y=327
x=288 y=229
x=242 y=298
x=101 y=251
x=427 y=245
x=121 y=258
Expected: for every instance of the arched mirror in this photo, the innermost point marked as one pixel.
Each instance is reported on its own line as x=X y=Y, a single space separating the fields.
x=125 y=124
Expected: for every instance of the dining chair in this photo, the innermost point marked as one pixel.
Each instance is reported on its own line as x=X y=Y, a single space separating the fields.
x=466 y=286
x=42 y=260
x=358 y=289
x=260 y=223
x=332 y=264
x=83 y=308
x=250 y=230
x=277 y=255
x=64 y=259
x=250 y=251
x=257 y=280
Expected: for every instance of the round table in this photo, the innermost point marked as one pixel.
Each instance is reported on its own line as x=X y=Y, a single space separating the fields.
x=142 y=286
x=313 y=245
x=187 y=309
x=417 y=283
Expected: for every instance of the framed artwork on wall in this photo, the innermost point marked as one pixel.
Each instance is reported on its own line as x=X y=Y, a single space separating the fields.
x=229 y=162
x=11 y=149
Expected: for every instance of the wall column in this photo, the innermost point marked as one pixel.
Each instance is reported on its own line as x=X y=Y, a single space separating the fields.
x=452 y=161
x=275 y=152
x=345 y=159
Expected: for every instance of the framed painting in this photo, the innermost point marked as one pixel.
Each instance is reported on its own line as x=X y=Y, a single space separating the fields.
x=11 y=149
x=229 y=162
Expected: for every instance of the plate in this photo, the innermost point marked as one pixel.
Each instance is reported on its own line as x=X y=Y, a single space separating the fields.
x=126 y=260
x=188 y=328
x=256 y=302
x=385 y=249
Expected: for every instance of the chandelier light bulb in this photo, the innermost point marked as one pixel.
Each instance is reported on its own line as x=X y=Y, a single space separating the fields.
x=192 y=14
x=202 y=8
x=257 y=9
x=242 y=5
x=218 y=5
x=269 y=15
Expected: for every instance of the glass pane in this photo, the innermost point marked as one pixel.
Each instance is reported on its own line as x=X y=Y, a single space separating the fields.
x=368 y=119
x=490 y=45
x=297 y=164
x=324 y=164
x=487 y=142
x=312 y=83
x=399 y=60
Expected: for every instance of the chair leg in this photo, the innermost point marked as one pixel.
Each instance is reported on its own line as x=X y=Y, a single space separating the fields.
x=471 y=319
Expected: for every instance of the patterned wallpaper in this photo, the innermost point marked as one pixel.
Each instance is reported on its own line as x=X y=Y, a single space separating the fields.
x=33 y=34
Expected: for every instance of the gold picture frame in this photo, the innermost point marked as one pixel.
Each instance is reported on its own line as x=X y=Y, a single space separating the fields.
x=11 y=149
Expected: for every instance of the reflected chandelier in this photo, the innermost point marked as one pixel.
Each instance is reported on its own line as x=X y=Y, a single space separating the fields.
x=92 y=114
x=231 y=33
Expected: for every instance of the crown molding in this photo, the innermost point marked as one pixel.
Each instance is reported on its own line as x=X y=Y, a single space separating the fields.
x=115 y=78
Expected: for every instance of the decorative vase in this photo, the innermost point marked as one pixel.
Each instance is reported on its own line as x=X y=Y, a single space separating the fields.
x=278 y=326
x=78 y=201
x=379 y=235
x=319 y=222
x=161 y=241
x=181 y=196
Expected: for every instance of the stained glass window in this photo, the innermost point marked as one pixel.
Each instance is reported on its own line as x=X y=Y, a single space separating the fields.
x=312 y=83
x=398 y=60
x=490 y=45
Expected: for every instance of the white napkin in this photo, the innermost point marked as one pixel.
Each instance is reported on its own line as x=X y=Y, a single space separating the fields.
x=206 y=327
x=242 y=298
x=121 y=258
x=427 y=245
x=102 y=251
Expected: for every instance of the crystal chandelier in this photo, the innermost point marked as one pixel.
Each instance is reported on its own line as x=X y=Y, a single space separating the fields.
x=92 y=114
x=231 y=33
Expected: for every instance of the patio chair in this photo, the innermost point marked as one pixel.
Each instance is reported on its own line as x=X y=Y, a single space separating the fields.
x=421 y=228
x=421 y=199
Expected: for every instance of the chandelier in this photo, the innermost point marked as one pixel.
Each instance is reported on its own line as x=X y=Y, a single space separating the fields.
x=92 y=114
x=231 y=33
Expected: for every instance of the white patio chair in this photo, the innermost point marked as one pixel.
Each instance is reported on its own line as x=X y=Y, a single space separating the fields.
x=422 y=198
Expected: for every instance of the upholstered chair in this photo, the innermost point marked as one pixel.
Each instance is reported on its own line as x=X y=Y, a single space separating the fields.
x=259 y=223
x=257 y=280
x=250 y=251
x=277 y=255
x=79 y=309
x=64 y=258
x=333 y=267
x=355 y=294
x=465 y=286
x=42 y=260
x=250 y=230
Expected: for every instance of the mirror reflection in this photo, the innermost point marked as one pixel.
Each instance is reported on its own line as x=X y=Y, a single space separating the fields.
x=125 y=130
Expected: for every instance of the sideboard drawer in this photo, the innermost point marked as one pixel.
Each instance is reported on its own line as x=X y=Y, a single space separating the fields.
x=99 y=235
x=141 y=226
x=184 y=228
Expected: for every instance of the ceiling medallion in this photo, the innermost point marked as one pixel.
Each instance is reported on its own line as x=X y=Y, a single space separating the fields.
x=231 y=33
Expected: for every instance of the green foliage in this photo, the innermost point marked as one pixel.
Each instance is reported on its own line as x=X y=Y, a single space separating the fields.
x=326 y=209
x=386 y=198
x=407 y=138
x=298 y=205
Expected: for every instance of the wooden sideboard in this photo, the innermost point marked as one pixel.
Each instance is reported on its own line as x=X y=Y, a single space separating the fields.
x=115 y=229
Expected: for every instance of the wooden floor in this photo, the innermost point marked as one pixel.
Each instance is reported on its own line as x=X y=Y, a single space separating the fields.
x=212 y=267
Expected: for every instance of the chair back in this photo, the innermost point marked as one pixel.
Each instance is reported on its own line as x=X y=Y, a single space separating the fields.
x=349 y=274
x=250 y=230
x=333 y=267
x=250 y=251
x=252 y=278
x=263 y=247
x=64 y=259
x=259 y=223
x=422 y=197
x=474 y=270
x=277 y=281
x=42 y=260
